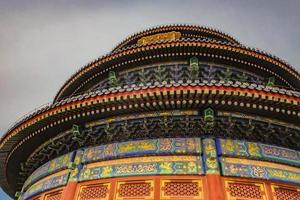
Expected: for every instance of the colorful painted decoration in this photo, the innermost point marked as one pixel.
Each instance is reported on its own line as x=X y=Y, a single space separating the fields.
x=238 y=148
x=210 y=156
x=165 y=146
x=48 y=168
x=58 y=180
x=140 y=116
x=260 y=170
x=150 y=165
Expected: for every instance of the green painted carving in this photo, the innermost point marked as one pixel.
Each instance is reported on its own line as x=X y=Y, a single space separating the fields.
x=210 y=156
x=144 y=76
x=112 y=79
x=242 y=77
x=209 y=119
x=77 y=135
x=225 y=76
x=271 y=81
x=193 y=69
x=160 y=74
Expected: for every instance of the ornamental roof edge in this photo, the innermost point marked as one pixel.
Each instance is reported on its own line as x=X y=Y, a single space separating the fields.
x=58 y=94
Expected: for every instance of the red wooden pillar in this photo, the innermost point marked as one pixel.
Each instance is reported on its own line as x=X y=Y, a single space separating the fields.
x=156 y=188
x=113 y=189
x=69 y=191
x=269 y=192
x=215 y=187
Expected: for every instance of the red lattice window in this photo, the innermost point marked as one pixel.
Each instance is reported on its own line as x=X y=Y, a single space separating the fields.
x=286 y=193
x=245 y=191
x=173 y=189
x=93 y=192
x=135 y=189
x=54 y=196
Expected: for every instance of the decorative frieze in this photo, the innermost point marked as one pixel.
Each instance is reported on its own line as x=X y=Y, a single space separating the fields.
x=151 y=165
x=51 y=182
x=238 y=148
x=210 y=156
x=164 y=146
x=259 y=170
x=50 y=167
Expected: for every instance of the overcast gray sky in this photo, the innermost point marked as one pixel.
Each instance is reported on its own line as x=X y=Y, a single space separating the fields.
x=42 y=43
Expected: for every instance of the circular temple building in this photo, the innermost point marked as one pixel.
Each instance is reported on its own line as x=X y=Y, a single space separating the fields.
x=176 y=112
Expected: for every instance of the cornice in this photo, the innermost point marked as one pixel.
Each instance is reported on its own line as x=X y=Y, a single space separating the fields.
x=270 y=94
x=179 y=48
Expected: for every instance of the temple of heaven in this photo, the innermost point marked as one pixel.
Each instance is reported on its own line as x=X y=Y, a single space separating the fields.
x=175 y=112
